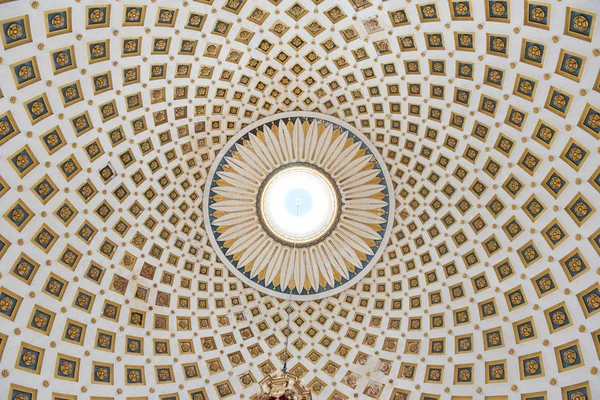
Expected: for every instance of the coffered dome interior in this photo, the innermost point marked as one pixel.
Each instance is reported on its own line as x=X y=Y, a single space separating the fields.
x=485 y=113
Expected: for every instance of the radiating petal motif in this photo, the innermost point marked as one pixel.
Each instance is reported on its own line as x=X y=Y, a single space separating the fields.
x=331 y=261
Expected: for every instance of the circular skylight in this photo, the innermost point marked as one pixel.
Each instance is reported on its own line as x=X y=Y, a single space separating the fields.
x=273 y=205
x=298 y=204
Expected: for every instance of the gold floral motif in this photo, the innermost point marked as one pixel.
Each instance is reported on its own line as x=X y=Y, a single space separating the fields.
x=70 y=93
x=54 y=287
x=14 y=31
x=17 y=215
x=108 y=110
x=134 y=376
x=69 y=167
x=525 y=330
x=532 y=366
x=133 y=14
x=489 y=105
x=495 y=76
x=23 y=269
x=578 y=396
x=498 y=9
x=559 y=101
x=83 y=301
x=66 y=368
x=58 y=21
x=497 y=372
x=136 y=319
x=593 y=120
x=164 y=374
x=574 y=265
x=464 y=344
x=131 y=74
x=498 y=44
x=97 y=50
x=593 y=301
x=25 y=72
x=434 y=40
x=516 y=117
x=575 y=154
x=559 y=318
x=165 y=16
x=37 y=108
x=80 y=122
x=534 y=52
x=160 y=44
x=40 y=320
x=461 y=9
x=580 y=23
x=29 y=358
x=571 y=64
x=555 y=234
x=537 y=14
x=102 y=373
x=525 y=87
x=429 y=11
x=399 y=17
x=62 y=59
x=569 y=356
x=73 y=333
x=6 y=304
x=97 y=15
x=44 y=238
x=130 y=45
x=4 y=127
x=545 y=283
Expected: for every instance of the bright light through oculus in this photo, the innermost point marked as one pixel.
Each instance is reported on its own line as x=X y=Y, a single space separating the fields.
x=299 y=204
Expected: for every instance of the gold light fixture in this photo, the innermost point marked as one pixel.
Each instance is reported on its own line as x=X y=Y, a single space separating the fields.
x=283 y=386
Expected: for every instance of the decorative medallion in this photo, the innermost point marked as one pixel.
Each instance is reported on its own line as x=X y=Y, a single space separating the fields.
x=299 y=204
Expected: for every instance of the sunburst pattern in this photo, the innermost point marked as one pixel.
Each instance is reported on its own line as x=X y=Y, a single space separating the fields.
x=334 y=259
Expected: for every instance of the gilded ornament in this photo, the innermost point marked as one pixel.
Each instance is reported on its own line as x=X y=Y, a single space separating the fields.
x=97 y=15
x=532 y=366
x=534 y=52
x=498 y=9
x=25 y=72
x=62 y=59
x=498 y=44
x=29 y=358
x=497 y=372
x=14 y=31
x=429 y=11
x=537 y=14
x=102 y=373
x=37 y=108
x=580 y=23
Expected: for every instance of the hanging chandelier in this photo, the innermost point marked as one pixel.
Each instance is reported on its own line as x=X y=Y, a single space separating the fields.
x=283 y=385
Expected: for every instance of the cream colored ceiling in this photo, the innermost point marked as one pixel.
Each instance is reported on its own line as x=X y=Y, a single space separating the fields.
x=480 y=293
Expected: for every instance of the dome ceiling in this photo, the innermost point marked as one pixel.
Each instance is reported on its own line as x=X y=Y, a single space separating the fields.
x=485 y=114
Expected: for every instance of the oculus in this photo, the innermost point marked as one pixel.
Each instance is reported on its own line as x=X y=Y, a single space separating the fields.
x=298 y=205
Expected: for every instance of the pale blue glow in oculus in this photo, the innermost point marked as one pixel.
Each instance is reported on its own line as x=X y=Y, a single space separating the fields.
x=299 y=204
x=298 y=201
